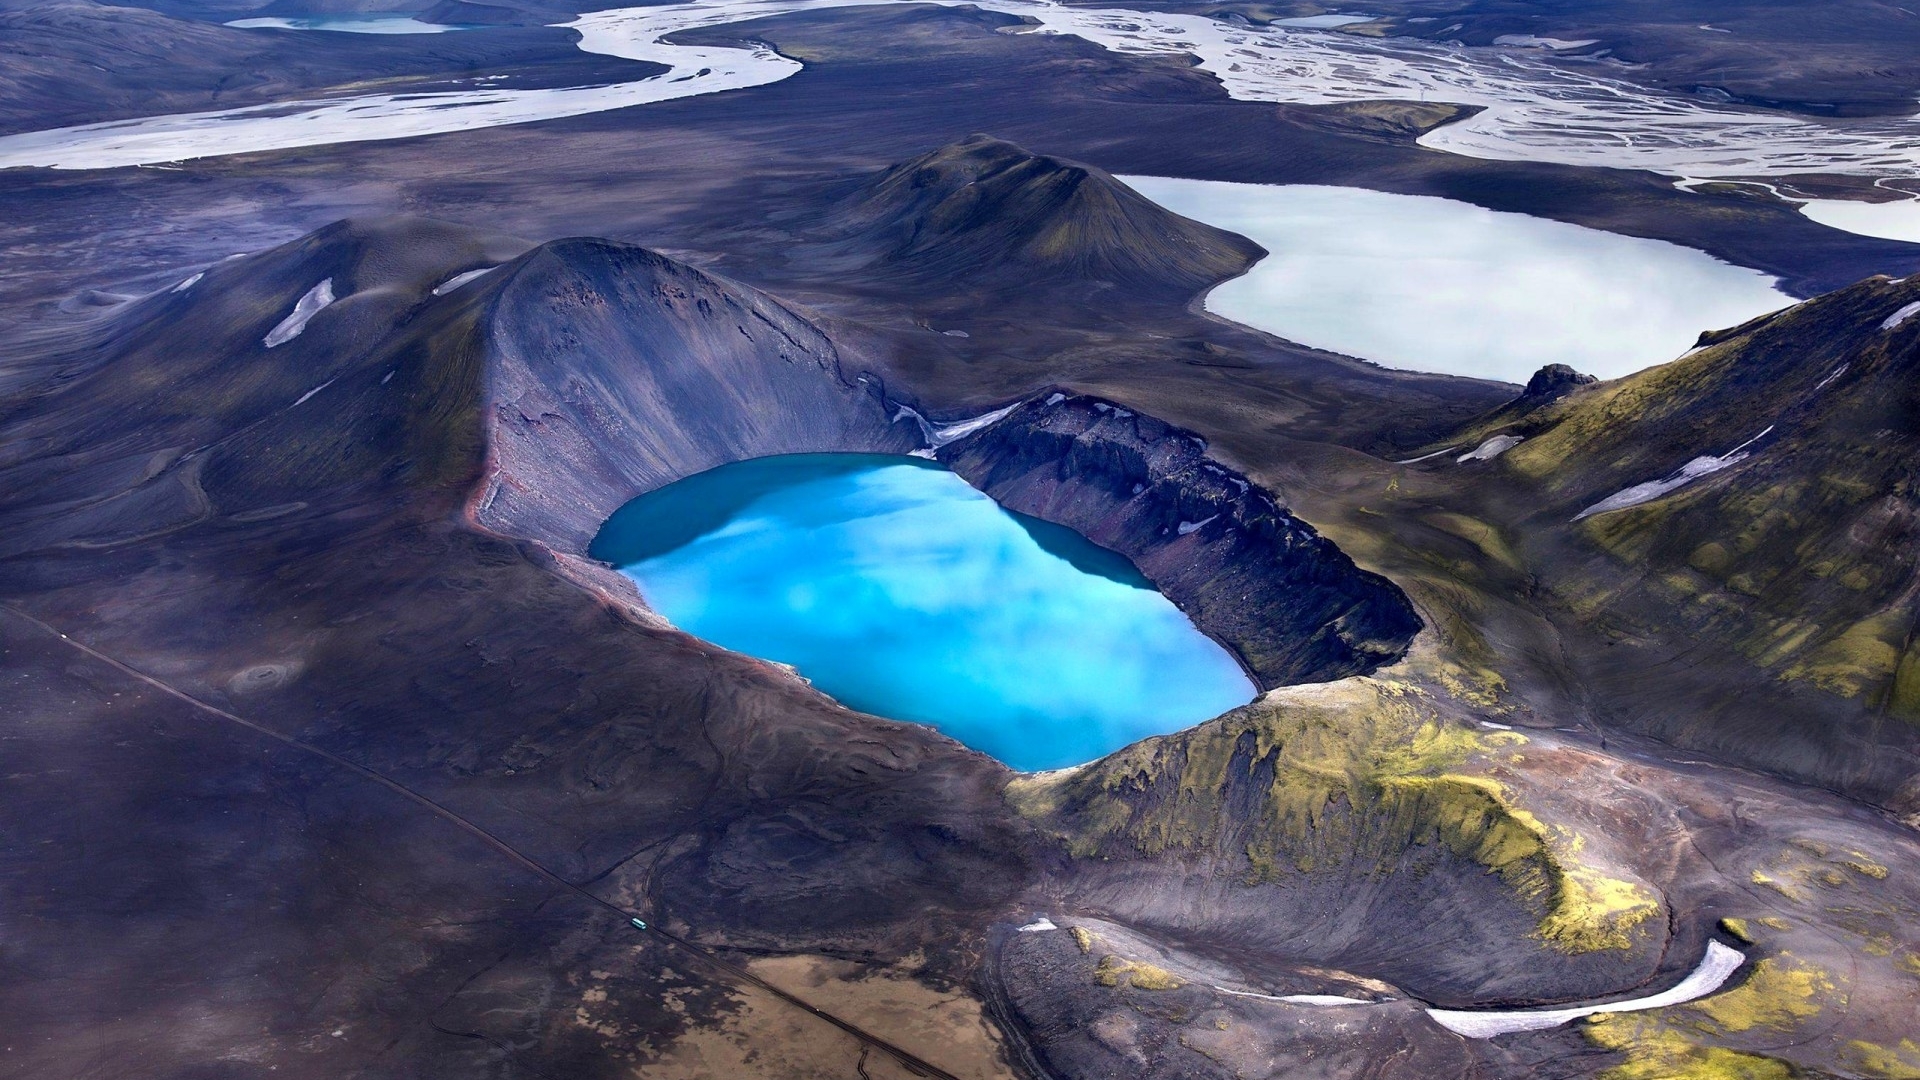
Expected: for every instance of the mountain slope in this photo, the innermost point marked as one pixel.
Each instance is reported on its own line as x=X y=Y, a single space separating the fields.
x=982 y=206
x=1797 y=538
x=1739 y=527
x=327 y=743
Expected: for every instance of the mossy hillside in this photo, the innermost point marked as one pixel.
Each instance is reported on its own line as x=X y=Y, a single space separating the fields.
x=1900 y=1059
x=1777 y=1003
x=1462 y=572
x=1799 y=558
x=1333 y=777
x=1778 y=995
x=1739 y=383
x=1654 y=1050
x=1833 y=995
x=1771 y=369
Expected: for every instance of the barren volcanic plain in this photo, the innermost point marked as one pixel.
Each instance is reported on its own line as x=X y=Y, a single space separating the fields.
x=1587 y=736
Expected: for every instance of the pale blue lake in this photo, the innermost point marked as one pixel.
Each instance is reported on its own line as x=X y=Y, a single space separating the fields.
x=1431 y=284
x=900 y=590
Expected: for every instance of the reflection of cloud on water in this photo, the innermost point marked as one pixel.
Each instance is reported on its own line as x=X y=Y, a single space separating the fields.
x=904 y=591
x=1437 y=285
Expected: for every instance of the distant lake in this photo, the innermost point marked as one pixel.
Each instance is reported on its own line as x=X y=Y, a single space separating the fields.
x=365 y=23
x=1886 y=220
x=900 y=590
x=1432 y=284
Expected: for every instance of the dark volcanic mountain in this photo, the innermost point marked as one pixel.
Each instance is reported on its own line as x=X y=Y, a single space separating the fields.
x=984 y=208
x=331 y=752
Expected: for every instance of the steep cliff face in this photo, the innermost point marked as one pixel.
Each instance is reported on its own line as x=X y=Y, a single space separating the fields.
x=613 y=370
x=1290 y=603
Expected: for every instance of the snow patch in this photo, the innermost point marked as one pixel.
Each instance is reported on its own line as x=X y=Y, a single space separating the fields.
x=1894 y=320
x=1037 y=925
x=1055 y=400
x=1715 y=968
x=1837 y=372
x=1673 y=481
x=1427 y=457
x=1492 y=448
x=939 y=435
x=302 y=399
x=1187 y=528
x=1327 y=1000
x=189 y=283
x=458 y=280
x=306 y=308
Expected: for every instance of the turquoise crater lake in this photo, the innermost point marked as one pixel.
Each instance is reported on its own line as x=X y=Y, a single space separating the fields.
x=900 y=590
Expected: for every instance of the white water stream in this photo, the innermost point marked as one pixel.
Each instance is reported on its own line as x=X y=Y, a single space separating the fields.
x=1536 y=108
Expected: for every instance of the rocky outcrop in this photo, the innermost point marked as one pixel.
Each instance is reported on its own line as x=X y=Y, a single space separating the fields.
x=1552 y=382
x=1285 y=599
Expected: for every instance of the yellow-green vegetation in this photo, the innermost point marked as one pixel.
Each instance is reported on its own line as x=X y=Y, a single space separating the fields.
x=1361 y=771
x=1792 y=871
x=1739 y=929
x=1587 y=420
x=1903 y=699
x=1083 y=938
x=1865 y=654
x=1465 y=665
x=1901 y=1061
x=1657 y=1051
x=1115 y=971
x=1481 y=535
x=1786 y=560
x=1778 y=996
x=1862 y=863
x=1768 y=881
x=1780 y=993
